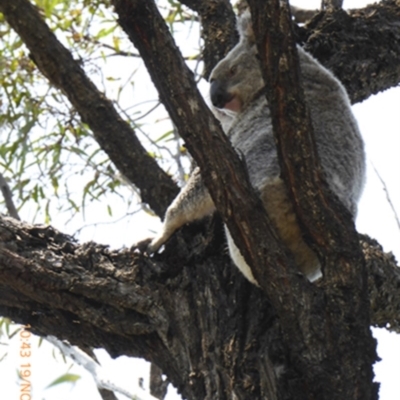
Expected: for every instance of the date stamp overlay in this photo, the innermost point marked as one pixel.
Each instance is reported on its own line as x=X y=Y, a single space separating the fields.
x=25 y=367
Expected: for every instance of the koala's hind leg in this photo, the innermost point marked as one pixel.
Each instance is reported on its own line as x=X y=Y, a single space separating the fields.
x=238 y=259
x=193 y=202
x=283 y=217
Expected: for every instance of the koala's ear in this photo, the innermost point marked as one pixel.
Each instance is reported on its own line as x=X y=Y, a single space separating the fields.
x=245 y=27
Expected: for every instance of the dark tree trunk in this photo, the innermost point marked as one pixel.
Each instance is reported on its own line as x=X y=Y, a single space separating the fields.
x=189 y=310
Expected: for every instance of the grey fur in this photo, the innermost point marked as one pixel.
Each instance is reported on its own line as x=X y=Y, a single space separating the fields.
x=236 y=84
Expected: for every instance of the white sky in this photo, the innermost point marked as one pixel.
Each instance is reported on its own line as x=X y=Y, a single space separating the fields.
x=379 y=122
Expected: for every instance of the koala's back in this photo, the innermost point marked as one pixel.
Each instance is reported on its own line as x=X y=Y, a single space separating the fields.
x=338 y=140
x=339 y=146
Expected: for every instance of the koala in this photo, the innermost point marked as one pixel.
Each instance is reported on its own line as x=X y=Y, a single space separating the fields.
x=238 y=101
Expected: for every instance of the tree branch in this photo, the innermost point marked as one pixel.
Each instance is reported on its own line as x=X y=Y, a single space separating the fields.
x=158 y=385
x=331 y=4
x=219 y=33
x=113 y=134
x=327 y=225
x=383 y=285
x=204 y=139
x=7 y=194
x=105 y=386
x=359 y=47
x=131 y=305
x=302 y=15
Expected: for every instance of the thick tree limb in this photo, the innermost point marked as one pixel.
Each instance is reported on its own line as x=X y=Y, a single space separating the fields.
x=131 y=305
x=336 y=241
x=360 y=47
x=327 y=225
x=383 y=283
x=218 y=23
x=204 y=138
x=290 y=294
x=113 y=134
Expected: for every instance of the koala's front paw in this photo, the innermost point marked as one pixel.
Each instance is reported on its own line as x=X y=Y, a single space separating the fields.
x=154 y=244
x=143 y=245
x=148 y=246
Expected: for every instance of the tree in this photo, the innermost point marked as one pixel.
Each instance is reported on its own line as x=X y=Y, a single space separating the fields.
x=187 y=310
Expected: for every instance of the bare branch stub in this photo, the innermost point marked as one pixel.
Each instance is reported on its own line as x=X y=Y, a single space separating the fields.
x=331 y=4
x=158 y=385
x=302 y=15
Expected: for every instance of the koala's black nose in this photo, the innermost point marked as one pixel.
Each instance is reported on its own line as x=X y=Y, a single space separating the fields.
x=219 y=95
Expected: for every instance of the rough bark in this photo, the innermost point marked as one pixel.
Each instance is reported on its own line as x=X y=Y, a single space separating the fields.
x=359 y=47
x=158 y=385
x=301 y=15
x=218 y=23
x=326 y=225
x=331 y=4
x=313 y=340
x=188 y=310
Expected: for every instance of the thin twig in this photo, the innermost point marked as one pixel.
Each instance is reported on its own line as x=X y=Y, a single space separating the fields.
x=7 y=194
x=389 y=200
x=87 y=362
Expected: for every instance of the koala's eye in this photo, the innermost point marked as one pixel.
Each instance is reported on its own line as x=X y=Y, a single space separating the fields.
x=232 y=71
x=258 y=57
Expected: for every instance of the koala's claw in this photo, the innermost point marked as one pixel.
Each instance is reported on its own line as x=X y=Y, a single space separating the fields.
x=154 y=245
x=148 y=246
x=143 y=246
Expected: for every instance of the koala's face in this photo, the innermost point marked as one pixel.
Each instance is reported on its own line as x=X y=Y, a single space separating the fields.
x=236 y=78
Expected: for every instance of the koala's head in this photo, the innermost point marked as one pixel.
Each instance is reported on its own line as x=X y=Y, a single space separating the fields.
x=237 y=78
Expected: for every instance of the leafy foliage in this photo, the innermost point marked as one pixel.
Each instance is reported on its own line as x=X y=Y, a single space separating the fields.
x=47 y=153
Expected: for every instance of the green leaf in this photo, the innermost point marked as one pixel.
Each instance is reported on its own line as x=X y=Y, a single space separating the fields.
x=66 y=378
x=105 y=32
x=54 y=182
x=164 y=136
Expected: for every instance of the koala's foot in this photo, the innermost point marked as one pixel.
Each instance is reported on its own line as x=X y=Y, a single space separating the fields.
x=154 y=244
x=150 y=246
x=142 y=245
